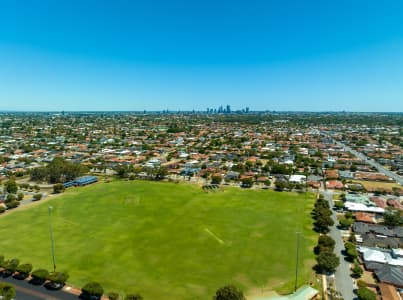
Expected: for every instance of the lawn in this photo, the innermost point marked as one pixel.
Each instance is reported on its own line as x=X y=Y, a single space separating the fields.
x=378 y=185
x=166 y=240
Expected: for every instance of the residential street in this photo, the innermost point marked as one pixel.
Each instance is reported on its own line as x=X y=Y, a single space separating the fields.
x=373 y=163
x=26 y=291
x=343 y=281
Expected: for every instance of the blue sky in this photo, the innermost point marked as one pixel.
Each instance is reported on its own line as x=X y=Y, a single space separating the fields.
x=153 y=55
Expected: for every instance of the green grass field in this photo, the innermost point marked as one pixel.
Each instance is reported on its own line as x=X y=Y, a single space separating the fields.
x=165 y=240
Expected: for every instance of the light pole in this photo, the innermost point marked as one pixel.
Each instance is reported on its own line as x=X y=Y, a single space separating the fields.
x=50 y=208
x=297 y=261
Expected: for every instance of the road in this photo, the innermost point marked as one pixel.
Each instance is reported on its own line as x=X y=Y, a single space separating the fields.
x=373 y=163
x=26 y=291
x=343 y=280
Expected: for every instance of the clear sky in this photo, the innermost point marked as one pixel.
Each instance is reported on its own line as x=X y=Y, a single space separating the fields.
x=134 y=55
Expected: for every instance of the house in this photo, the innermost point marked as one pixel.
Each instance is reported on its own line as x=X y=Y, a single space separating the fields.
x=334 y=184
x=365 y=217
x=361 y=228
x=382 y=241
x=297 y=179
x=381 y=256
x=388 y=292
x=390 y=274
x=346 y=175
x=303 y=293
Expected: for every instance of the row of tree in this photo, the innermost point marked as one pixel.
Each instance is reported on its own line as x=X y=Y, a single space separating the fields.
x=58 y=170
x=89 y=291
x=129 y=171
x=322 y=215
x=94 y=290
x=327 y=261
x=39 y=276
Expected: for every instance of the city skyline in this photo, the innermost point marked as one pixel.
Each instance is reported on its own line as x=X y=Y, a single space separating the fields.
x=266 y=55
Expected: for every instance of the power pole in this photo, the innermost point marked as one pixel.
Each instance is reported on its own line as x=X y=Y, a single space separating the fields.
x=50 y=208
x=297 y=261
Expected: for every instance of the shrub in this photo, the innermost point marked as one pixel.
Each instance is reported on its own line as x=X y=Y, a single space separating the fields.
x=7 y=291
x=10 y=197
x=92 y=289
x=40 y=275
x=357 y=270
x=2 y=209
x=37 y=197
x=12 y=204
x=11 y=265
x=229 y=292
x=58 y=277
x=58 y=188
x=20 y=196
x=24 y=269
x=351 y=250
x=366 y=294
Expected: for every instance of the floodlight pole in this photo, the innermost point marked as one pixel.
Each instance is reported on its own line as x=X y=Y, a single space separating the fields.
x=50 y=208
x=297 y=261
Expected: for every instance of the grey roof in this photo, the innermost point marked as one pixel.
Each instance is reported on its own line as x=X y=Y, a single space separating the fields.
x=361 y=228
x=371 y=265
x=390 y=274
x=373 y=240
x=314 y=178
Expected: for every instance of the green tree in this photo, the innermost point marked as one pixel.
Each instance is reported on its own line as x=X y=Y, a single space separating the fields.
x=12 y=204
x=338 y=204
x=37 y=197
x=58 y=277
x=280 y=185
x=247 y=181
x=24 y=269
x=58 y=188
x=11 y=186
x=161 y=173
x=392 y=218
x=11 y=265
x=327 y=262
x=229 y=292
x=40 y=275
x=345 y=223
x=351 y=251
x=10 y=198
x=216 y=179
x=357 y=270
x=122 y=171
x=7 y=291
x=92 y=289
x=365 y=294
x=325 y=244
x=323 y=222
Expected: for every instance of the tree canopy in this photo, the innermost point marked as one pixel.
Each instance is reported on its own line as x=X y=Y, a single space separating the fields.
x=229 y=292
x=59 y=170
